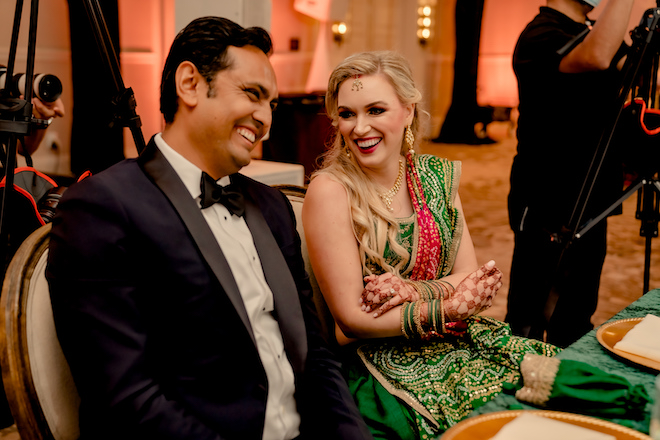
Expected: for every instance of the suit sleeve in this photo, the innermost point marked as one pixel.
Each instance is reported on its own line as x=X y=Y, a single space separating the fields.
x=327 y=408
x=95 y=288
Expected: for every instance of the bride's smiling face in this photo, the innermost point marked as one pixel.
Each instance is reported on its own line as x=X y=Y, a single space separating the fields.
x=372 y=119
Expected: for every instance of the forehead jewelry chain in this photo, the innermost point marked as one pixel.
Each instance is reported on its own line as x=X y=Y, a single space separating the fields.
x=357 y=84
x=389 y=195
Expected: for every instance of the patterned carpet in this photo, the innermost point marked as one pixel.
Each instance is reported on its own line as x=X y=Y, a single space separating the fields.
x=9 y=433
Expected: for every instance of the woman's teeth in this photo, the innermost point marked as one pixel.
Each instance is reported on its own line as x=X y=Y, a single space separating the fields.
x=368 y=143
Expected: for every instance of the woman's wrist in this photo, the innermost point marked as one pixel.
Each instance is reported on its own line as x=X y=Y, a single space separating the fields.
x=423 y=319
x=430 y=290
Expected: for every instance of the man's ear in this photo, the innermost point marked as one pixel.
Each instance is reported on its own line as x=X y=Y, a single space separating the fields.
x=188 y=80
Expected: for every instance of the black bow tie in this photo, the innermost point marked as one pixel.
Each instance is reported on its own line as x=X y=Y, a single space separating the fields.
x=230 y=196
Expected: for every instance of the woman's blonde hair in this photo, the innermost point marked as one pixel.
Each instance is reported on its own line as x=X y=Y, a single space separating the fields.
x=373 y=225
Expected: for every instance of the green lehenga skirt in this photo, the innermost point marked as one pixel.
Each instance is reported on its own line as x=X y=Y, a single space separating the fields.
x=417 y=389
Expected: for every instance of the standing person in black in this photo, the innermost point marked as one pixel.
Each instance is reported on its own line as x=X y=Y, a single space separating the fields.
x=565 y=99
x=183 y=318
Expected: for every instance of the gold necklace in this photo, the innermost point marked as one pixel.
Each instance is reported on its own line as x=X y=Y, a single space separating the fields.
x=389 y=195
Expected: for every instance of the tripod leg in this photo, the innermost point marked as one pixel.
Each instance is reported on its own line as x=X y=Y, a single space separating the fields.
x=649 y=214
x=647 y=263
x=635 y=186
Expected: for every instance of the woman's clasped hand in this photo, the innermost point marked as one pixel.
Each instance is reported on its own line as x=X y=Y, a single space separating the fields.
x=471 y=296
x=385 y=291
x=475 y=293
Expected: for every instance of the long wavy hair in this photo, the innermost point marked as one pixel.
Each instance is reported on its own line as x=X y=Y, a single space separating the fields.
x=373 y=225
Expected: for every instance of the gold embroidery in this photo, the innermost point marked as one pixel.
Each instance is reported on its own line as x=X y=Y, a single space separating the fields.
x=447 y=378
x=539 y=374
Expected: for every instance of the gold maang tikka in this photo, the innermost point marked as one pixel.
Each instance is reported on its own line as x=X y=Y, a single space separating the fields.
x=357 y=84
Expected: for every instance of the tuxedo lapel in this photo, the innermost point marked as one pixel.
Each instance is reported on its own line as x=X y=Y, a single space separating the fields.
x=285 y=293
x=163 y=175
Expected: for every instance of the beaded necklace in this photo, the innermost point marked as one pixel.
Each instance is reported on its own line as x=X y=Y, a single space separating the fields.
x=389 y=195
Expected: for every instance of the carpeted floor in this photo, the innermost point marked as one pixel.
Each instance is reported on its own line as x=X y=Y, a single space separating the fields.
x=483 y=191
x=10 y=433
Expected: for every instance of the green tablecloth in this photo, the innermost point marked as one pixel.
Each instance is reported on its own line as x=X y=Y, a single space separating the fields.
x=587 y=349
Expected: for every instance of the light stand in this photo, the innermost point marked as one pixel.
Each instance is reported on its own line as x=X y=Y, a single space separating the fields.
x=639 y=76
x=16 y=119
x=124 y=99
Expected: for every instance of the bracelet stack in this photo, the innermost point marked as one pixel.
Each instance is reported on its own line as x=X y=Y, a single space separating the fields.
x=429 y=290
x=407 y=315
x=414 y=327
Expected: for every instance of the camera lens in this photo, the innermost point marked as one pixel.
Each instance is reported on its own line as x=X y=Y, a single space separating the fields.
x=45 y=86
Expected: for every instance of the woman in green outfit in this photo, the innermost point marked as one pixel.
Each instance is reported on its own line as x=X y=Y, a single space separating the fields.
x=393 y=256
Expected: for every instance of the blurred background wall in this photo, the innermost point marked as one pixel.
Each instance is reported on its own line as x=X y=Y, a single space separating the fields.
x=305 y=46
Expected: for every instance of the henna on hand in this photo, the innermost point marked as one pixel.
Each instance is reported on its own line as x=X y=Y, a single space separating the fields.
x=475 y=293
x=383 y=292
x=376 y=291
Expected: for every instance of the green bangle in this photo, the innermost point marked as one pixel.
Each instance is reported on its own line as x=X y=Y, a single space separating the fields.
x=407 y=315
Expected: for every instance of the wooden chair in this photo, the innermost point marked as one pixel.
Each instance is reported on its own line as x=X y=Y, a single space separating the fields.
x=40 y=390
x=296 y=195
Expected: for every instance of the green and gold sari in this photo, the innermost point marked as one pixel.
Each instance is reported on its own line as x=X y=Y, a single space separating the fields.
x=412 y=389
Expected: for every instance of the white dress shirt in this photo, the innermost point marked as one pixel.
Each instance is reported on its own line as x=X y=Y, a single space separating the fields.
x=234 y=237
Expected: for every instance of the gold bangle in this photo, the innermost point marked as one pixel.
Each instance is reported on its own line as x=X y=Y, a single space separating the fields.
x=403 y=327
x=429 y=290
x=417 y=318
x=438 y=290
x=442 y=314
x=433 y=326
x=413 y=284
x=447 y=287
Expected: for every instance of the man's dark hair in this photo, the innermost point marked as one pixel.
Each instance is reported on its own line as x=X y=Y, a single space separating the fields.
x=204 y=43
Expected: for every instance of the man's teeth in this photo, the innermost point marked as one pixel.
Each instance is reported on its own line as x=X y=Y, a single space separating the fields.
x=368 y=143
x=247 y=134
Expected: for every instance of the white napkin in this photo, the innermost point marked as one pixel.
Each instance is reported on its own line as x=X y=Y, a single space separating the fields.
x=642 y=339
x=528 y=426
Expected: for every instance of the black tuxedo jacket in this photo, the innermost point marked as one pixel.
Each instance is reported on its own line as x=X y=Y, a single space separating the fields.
x=153 y=325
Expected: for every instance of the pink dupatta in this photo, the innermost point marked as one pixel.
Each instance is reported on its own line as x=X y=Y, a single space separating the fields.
x=430 y=244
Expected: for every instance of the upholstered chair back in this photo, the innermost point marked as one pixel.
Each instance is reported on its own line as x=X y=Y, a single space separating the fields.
x=40 y=390
x=296 y=195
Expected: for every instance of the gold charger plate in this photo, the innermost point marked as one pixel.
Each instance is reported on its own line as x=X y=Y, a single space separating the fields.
x=609 y=334
x=485 y=426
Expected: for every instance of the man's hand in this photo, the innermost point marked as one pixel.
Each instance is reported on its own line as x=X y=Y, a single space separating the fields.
x=47 y=110
x=40 y=110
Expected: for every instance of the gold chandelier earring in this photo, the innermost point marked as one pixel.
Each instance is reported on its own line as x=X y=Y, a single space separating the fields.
x=344 y=147
x=410 y=140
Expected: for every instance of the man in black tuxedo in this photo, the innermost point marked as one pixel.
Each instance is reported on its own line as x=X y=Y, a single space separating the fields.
x=182 y=318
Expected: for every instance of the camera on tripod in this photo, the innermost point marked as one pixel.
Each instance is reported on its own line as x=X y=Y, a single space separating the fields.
x=46 y=87
x=633 y=132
